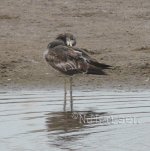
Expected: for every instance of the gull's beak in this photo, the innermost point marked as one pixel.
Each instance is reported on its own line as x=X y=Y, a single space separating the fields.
x=69 y=43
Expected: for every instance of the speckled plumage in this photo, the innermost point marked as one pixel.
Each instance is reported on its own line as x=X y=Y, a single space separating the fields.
x=71 y=60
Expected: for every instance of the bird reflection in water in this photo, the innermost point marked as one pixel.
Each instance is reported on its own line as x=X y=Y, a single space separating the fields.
x=64 y=128
x=72 y=121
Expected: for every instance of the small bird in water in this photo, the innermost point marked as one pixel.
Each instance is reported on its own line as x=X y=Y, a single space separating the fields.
x=69 y=60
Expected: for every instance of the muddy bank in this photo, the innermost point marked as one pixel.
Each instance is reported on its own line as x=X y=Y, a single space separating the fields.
x=116 y=32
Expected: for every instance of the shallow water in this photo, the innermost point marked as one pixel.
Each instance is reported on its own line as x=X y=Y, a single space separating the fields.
x=100 y=120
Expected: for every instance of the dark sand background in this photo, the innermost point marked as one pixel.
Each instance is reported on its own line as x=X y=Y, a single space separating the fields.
x=117 y=31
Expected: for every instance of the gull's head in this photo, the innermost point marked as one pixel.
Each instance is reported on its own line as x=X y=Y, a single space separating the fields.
x=67 y=38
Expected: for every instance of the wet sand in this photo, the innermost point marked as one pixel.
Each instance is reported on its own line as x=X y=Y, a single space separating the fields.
x=116 y=31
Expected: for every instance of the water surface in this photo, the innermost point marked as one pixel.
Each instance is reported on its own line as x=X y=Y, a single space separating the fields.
x=100 y=120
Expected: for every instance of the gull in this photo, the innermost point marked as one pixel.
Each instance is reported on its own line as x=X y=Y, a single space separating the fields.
x=69 y=60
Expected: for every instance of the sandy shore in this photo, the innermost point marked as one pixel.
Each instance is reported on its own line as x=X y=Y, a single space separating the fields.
x=116 y=31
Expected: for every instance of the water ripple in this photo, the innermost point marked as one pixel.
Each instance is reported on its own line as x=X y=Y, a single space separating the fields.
x=37 y=119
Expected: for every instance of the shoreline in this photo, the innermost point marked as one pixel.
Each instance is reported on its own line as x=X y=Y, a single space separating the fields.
x=117 y=37
x=79 y=83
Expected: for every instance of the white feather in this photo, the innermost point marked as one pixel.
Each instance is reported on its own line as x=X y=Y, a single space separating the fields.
x=45 y=53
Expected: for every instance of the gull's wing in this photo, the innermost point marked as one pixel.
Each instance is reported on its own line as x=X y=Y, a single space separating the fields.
x=66 y=60
x=91 y=60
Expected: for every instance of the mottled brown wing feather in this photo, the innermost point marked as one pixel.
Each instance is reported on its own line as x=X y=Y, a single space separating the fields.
x=66 y=60
x=91 y=60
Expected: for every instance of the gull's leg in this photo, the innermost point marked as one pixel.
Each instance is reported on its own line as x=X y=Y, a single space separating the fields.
x=65 y=94
x=71 y=99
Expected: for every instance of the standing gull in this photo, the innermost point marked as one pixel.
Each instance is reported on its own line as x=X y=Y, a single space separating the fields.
x=69 y=60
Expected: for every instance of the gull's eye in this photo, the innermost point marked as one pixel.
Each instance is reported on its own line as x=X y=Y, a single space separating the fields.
x=72 y=38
